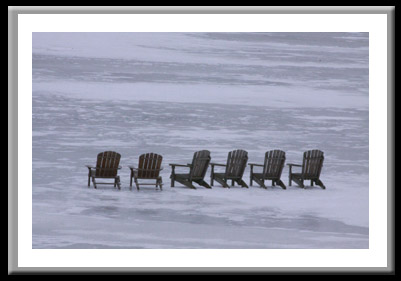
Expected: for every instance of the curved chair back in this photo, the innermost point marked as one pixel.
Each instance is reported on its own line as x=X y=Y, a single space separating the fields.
x=200 y=163
x=236 y=163
x=149 y=165
x=312 y=164
x=274 y=163
x=107 y=164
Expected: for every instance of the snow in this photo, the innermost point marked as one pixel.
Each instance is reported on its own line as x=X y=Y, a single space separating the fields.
x=177 y=93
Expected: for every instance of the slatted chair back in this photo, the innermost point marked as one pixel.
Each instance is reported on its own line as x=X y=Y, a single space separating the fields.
x=200 y=163
x=149 y=166
x=312 y=164
x=107 y=164
x=236 y=163
x=274 y=164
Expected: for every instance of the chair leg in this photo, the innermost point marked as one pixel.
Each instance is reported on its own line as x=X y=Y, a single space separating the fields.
x=186 y=183
x=172 y=177
x=94 y=182
x=222 y=182
x=320 y=183
x=136 y=183
x=118 y=183
x=260 y=182
x=212 y=176
x=160 y=182
x=203 y=183
x=242 y=183
x=251 y=176
x=299 y=182
x=280 y=183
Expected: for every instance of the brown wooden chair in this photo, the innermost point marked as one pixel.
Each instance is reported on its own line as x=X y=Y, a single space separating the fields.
x=272 y=169
x=311 y=167
x=149 y=167
x=235 y=167
x=197 y=170
x=106 y=167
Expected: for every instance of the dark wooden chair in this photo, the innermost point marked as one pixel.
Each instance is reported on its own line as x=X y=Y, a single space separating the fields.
x=311 y=167
x=235 y=167
x=149 y=167
x=197 y=170
x=272 y=169
x=107 y=166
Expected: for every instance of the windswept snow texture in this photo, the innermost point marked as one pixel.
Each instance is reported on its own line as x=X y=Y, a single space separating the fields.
x=177 y=93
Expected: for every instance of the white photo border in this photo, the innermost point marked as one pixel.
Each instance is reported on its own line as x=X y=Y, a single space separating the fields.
x=374 y=257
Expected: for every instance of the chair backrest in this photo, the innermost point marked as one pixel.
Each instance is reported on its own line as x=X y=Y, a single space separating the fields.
x=149 y=165
x=274 y=163
x=312 y=164
x=200 y=163
x=107 y=164
x=236 y=163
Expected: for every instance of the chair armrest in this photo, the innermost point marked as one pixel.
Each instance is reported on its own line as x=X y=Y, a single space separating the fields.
x=216 y=164
x=172 y=165
x=295 y=165
x=148 y=170
x=180 y=165
x=99 y=168
x=253 y=164
x=139 y=169
x=290 y=165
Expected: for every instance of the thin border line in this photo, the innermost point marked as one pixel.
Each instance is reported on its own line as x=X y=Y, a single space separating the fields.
x=13 y=12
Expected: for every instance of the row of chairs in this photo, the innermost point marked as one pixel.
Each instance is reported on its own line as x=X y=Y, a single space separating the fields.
x=149 y=167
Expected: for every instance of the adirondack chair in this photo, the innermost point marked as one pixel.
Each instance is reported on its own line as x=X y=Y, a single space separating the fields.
x=149 y=167
x=272 y=168
x=311 y=168
x=197 y=170
x=107 y=166
x=235 y=167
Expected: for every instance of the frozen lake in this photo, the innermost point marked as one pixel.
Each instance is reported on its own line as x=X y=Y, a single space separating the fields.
x=176 y=93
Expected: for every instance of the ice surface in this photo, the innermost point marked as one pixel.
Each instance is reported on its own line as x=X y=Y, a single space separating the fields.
x=176 y=93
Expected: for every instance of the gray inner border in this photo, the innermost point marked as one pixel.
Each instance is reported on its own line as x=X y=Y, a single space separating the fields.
x=13 y=12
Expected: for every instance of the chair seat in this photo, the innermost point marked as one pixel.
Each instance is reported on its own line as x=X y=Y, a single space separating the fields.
x=93 y=174
x=297 y=175
x=302 y=176
x=266 y=177
x=222 y=175
x=186 y=177
x=148 y=178
x=182 y=176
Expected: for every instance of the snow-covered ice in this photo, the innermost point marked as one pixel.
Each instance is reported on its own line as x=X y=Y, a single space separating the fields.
x=177 y=93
